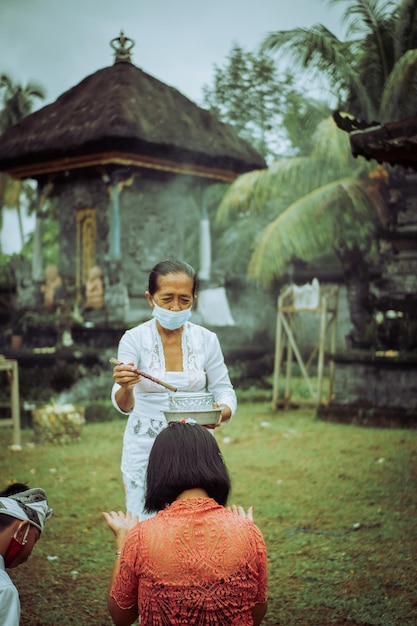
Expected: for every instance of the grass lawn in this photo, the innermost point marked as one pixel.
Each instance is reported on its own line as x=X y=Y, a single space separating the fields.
x=337 y=505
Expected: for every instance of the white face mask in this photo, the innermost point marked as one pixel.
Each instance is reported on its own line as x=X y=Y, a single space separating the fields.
x=171 y=320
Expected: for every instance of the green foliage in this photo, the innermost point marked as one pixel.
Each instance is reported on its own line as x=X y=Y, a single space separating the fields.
x=44 y=384
x=264 y=107
x=6 y=278
x=402 y=82
x=100 y=411
x=17 y=101
x=336 y=207
x=292 y=194
x=300 y=118
x=324 y=202
x=370 y=73
x=50 y=239
x=248 y=94
x=317 y=49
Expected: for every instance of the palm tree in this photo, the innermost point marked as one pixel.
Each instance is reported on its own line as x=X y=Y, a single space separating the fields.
x=18 y=102
x=337 y=202
x=373 y=73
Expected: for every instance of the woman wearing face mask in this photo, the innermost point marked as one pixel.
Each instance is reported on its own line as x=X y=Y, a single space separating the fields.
x=171 y=348
x=23 y=513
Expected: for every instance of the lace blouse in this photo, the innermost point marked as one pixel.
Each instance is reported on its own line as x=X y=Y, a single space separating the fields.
x=203 y=362
x=195 y=563
x=203 y=365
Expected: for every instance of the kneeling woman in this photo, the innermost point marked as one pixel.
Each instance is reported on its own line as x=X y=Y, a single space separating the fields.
x=196 y=561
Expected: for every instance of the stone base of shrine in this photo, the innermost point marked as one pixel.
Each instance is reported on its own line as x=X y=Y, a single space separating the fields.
x=368 y=416
x=374 y=389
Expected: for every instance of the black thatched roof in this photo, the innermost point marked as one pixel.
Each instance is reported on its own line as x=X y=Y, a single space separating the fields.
x=120 y=110
x=394 y=143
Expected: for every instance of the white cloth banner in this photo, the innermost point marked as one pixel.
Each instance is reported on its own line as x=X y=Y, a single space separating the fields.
x=307 y=296
x=214 y=307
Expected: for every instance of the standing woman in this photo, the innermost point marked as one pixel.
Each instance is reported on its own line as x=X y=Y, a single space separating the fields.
x=171 y=348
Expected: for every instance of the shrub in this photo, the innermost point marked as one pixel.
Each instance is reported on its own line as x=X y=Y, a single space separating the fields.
x=100 y=412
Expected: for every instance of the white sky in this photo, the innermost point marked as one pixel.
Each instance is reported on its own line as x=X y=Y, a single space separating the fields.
x=57 y=43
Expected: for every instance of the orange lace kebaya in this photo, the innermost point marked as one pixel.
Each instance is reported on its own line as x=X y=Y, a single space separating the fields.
x=194 y=563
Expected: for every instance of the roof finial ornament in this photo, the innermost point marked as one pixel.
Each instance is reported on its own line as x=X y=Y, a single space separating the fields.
x=122 y=46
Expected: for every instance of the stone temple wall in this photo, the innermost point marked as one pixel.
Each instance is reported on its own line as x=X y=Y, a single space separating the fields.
x=379 y=383
x=159 y=217
x=399 y=276
x=72 y=196
x=156 y=222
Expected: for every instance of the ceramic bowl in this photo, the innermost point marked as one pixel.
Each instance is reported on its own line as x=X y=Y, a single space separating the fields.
x=202 y=401
x=202 y=417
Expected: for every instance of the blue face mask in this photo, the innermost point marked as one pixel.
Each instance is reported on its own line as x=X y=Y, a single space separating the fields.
x=171 y=320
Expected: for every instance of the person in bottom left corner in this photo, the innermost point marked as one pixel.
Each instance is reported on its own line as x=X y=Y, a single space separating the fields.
x=23 y=513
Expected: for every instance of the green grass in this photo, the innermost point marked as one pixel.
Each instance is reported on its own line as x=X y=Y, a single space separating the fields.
x=337 y=505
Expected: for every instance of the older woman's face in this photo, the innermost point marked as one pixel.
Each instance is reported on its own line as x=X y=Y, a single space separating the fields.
x=174 y=292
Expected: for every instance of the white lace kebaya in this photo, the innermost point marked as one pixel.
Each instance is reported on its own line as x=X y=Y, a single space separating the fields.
x=203 y=368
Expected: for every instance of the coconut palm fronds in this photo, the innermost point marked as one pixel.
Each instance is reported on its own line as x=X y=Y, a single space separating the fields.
x=340 y=209
x=400 y=90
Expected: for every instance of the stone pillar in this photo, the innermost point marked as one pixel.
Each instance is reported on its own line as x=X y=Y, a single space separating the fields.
x=205 y=242
x=114 y=243
x=37 y=269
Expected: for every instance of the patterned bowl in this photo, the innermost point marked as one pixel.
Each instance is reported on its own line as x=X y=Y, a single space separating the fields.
x=191 y=401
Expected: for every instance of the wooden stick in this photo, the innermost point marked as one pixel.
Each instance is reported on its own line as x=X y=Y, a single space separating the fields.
x=155 y=380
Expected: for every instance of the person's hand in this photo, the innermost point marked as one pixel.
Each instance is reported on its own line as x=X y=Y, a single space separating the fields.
x=213 y=426
x=240 y=511
x=120 y=523
x=225 y=415
x=126 y=375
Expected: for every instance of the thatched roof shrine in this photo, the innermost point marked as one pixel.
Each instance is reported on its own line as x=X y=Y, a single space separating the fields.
x=123 y=116
x=394 y=143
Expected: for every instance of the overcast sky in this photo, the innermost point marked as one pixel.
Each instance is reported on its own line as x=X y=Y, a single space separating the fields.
x=57 y=43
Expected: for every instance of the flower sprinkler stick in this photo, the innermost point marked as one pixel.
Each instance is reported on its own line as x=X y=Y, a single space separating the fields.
x=155 y=380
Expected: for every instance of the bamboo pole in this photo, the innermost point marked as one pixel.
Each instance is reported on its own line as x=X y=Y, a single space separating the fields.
x=298 y=355
x=322 y=341
x=333 y=339
x=327 y=310
x=278 y=356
